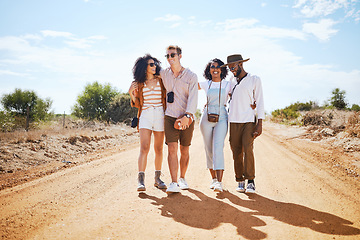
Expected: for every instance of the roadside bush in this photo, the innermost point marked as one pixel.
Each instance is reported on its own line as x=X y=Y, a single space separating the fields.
x=120 y=109
x=7 y=122
x=286 y=115
x=22 y=103
x=318 y=119
x=355 y=107
x=93 y=103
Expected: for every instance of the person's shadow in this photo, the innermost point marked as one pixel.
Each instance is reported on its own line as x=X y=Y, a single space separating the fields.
x=209 y=213
x=294 y=214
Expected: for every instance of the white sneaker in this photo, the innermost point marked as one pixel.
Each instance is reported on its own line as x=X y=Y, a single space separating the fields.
x=183 y=184
x=218 y=187
x=250 y=188
x=213 y=182
x=241 y=187
x=173 y=188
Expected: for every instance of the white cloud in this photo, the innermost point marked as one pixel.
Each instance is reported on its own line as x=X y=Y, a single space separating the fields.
x=230 y=24
x=169 y=18
x=248 y=26
x=50 y=33
x=263 y=4
x=316 y=8
x=175 y=25
x=98 y=37
x=32 y=37
x=11 y=73
x=322 y=30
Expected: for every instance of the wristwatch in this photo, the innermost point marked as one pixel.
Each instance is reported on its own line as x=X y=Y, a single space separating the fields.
x=189 y=116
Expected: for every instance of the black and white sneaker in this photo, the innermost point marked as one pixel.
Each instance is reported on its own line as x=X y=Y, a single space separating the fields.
x=250 y=188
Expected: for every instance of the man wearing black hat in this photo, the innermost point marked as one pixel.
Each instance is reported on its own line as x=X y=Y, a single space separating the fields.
x=244 y=128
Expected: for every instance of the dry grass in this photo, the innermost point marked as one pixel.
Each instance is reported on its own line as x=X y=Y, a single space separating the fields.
x=87 y=131
x=353 y=125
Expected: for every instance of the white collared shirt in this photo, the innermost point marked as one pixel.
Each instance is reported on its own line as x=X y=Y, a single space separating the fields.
x=244 y=94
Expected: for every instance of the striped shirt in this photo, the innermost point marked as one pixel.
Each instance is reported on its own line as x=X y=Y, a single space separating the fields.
x=152 y=96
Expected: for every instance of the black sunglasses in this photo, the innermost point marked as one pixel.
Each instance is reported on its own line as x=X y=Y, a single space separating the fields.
x=170 y=55
x=213 y=67
x=232 y=68
x=152 y=64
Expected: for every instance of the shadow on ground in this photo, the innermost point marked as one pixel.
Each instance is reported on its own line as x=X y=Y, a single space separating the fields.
x=209 y=213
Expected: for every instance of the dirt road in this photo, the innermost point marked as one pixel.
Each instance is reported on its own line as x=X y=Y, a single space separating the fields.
x=298 y=197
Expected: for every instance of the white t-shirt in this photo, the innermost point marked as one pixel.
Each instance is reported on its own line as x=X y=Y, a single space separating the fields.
x=216 y=85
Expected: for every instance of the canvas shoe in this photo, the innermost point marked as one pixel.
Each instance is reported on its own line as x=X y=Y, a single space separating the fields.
x=241 y=187
x=183 y=184
x=173 y=188
x=213 y=182
x=250 y=188
x=218 y=187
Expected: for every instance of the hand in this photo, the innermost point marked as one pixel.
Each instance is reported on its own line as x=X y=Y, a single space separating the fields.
x=184 y=121
x=134 y=88
x=258 y=130
x=253 y=106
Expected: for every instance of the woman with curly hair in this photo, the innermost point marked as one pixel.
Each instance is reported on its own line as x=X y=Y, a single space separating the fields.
x=148 y=94
x=214 y=120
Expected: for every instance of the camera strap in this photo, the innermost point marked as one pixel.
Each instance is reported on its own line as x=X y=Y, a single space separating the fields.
x=232 y=92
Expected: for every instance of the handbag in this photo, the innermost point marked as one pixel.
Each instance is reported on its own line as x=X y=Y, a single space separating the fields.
x=213 y=117
x=134 y=122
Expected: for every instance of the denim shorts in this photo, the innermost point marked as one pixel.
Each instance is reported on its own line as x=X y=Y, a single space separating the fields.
x=152 y=119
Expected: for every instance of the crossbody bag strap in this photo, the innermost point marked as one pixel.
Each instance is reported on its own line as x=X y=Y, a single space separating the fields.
x=207 y=104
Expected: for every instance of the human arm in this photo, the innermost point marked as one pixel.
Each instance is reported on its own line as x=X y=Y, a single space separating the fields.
x=192 y=101
x=134 y=92
x=258 y=129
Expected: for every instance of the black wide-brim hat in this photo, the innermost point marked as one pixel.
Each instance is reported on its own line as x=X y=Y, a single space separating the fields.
x=236 y=58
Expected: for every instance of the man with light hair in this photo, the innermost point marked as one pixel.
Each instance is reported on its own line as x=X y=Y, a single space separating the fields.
x=181 y=86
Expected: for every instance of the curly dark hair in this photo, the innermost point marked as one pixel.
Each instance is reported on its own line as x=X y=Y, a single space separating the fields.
x=140 y=68
x=223 y=73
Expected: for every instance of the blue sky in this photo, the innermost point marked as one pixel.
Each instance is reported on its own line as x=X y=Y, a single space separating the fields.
x=301 y=49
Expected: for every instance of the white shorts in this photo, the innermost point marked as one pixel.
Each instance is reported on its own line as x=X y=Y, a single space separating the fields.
x=152 y=119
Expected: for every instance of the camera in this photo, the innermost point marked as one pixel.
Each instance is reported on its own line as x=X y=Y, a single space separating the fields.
x=134 y=122
x=170 y=97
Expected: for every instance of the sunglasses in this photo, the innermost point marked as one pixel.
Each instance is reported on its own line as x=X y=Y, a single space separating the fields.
x=170 y=55
x=152 y=64
x=232 y=68
x=213 y=67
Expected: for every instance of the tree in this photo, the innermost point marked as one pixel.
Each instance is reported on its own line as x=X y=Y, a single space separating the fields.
x=94 y=101
x=20 y=102
x=355 y=107
x=338 y=99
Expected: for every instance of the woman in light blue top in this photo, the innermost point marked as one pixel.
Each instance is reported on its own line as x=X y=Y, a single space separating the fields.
x=214 y=132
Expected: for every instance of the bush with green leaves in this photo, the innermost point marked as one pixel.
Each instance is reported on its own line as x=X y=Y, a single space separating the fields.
x=21 y=105
x=7 y=122
x=120 y=109
x=338 y=99
x=284 y=115
x=94 y=102
x=355 y=107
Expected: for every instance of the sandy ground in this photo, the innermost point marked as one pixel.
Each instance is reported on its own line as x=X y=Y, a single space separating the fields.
x=303 y=192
